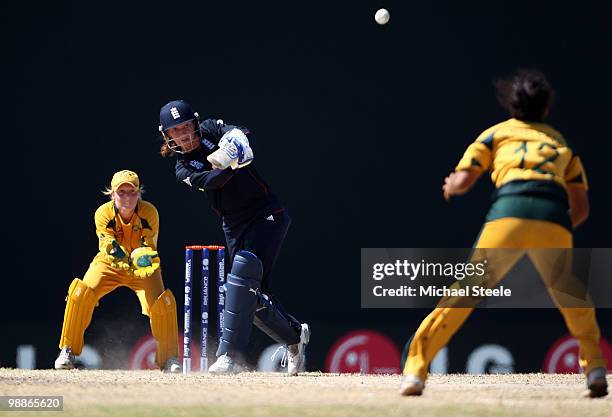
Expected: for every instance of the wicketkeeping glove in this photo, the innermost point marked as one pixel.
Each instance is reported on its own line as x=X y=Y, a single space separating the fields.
x=117 y=255
x=145 y=261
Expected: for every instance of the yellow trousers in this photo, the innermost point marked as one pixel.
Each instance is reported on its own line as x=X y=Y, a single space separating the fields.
x=100 y=279
x=103 y=279
x=443 y=322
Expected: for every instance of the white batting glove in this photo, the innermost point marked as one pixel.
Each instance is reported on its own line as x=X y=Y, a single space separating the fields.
x=234 y=150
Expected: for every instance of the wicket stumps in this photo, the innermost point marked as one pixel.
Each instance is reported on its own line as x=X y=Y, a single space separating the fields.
x=204 y=304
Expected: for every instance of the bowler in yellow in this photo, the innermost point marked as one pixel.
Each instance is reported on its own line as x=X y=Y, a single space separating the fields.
x=127 y=228
x=540 y=198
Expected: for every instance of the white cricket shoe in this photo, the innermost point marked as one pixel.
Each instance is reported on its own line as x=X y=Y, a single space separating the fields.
x=224 y=365
x=65 y=359
x=296 y=354
x=173 y=366
x=412 y=385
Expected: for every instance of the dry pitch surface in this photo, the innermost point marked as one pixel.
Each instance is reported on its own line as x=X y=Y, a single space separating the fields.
x=151 y=393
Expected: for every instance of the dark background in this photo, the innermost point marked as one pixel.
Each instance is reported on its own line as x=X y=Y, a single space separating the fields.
x=355 y=125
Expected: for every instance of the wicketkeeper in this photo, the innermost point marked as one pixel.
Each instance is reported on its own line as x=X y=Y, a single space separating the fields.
x=127 y=229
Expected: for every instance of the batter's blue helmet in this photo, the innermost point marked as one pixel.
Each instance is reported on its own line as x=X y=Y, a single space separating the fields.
x=175 y=113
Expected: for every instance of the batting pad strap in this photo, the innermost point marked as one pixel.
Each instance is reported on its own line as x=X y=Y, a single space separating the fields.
x=80 y=303
x=164 y=327
x=272 y=319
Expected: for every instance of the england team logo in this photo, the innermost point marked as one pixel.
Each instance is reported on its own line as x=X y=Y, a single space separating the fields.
x=196 y=164
x=174 y=112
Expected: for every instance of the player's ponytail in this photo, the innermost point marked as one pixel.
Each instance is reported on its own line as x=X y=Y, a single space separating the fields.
x=526 y=94
x=165 y=150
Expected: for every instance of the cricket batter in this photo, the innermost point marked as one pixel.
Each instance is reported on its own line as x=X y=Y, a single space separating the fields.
x=127 y=228
x=541 y=196
x=216 y=158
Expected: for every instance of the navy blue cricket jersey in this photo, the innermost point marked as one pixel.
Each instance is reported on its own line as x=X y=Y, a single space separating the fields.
x=236 y=195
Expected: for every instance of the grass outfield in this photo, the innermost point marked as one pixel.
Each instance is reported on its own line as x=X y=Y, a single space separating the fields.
x=151 y=393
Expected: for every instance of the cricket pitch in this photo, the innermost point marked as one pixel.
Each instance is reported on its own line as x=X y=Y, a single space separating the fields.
x=152 y=393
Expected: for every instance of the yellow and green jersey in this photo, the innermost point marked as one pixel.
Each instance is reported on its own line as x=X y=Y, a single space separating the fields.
x=142 y=228
x=529 y=162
